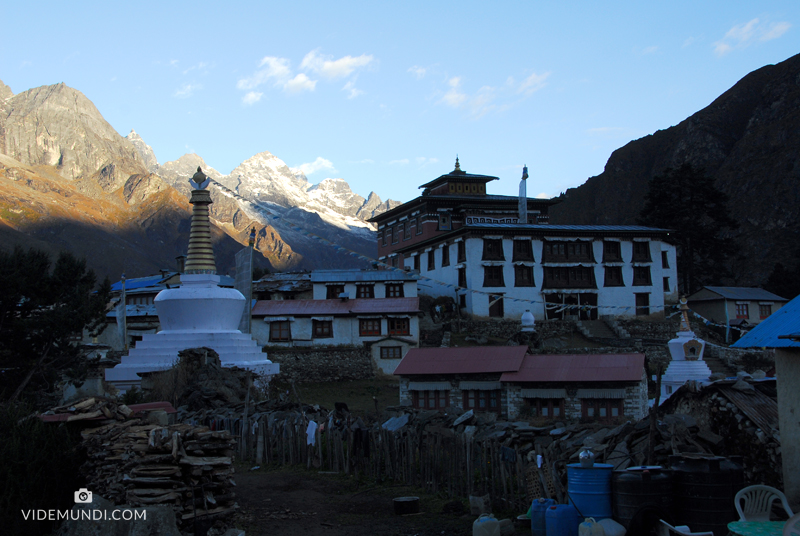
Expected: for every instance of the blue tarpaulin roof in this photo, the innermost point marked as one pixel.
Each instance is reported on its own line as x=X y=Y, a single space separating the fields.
x=138 y=282
x=784 y=321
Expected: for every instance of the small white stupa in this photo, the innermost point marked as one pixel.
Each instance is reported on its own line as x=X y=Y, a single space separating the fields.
x=197 y=314
x=687 y=358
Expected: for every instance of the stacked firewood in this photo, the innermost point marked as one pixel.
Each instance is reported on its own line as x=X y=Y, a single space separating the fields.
x=137 y=463
x=93 y=408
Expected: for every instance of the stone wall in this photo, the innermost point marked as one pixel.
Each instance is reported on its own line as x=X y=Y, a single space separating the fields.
x=498 y=329
x=323 y=364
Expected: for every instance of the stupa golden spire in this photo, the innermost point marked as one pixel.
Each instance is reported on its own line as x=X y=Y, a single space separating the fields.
x=200 y=259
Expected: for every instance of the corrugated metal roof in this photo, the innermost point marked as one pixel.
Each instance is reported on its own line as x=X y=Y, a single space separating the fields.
x=578 y=368
x=324 y=276
x=744 y=293
x=758 y=407
x=336 y=307
x=139 y=282
x=467 y=360
x=132 y=311
x=784 y=321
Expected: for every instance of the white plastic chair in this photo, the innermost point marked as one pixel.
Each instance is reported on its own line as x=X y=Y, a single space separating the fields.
x=758 y=502
x=665 y=529
x=792 y=527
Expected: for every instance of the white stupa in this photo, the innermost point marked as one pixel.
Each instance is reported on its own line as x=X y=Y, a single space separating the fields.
x=198 y=313
x=687 y=358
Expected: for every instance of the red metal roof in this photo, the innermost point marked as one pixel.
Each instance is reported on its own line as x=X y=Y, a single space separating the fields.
x=336 y=307
x=467 y=360
x=578 y=368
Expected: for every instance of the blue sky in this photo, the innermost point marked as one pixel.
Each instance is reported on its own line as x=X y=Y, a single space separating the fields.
x=385 y=94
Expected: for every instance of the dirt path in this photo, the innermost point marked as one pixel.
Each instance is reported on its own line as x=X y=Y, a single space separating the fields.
x=293 y=502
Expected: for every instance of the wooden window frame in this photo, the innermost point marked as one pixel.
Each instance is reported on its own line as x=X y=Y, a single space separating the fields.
x=664 y=260
x=493 y=276
x=445 y=222
x=522 y=250
x=395 y=290
x=641 y=276
x=416 y=262
x=493 y=249
x=462 y=277
x=602 y=409
x=764 y=310
x=523 y=276
x=419 y=225
x=551 y=405
x=431 y=260
x=641 y=252
x=609 y=280
x=367 y=327
x=430 y=399
x=332 y=292
x=365 y=291
x=462 y=252
x=743 y=310
x=642 y=310
x=322 y=329
x=283 y=329
x=399 y=326
x=612 y=253
x=481 y=400
x=445 y=255
x=407 y=230
x=391 y=352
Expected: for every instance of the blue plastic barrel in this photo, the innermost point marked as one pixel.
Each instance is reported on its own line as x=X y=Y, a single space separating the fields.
x=589 y=490
x=538 y=509
x=561 y=520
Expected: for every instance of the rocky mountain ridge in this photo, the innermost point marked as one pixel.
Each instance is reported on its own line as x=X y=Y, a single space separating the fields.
x=70 y=181
x=748 y=140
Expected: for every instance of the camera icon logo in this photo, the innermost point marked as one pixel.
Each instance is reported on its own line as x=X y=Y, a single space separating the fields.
x=83 y=495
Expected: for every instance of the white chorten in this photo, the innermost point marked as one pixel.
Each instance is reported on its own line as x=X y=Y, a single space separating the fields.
x=687 y=358
x=198 y=313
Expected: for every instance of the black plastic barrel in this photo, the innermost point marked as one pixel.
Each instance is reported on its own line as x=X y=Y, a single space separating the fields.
x=639 y=488
x=704 y=489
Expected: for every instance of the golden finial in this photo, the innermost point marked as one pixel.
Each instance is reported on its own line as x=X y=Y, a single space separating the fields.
x=684 y=315
x=458 y=167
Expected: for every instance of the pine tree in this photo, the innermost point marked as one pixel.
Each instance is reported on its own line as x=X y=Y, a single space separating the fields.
x=686 y=201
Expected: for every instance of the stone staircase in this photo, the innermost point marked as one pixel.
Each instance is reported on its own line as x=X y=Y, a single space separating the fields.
x=718 y=366
x=596 y=329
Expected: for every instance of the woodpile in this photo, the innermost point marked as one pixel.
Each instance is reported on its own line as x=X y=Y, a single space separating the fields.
x=138 y=463
x=91 y=408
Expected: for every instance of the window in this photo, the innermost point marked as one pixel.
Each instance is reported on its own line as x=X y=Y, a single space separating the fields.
x=480 y=400
x=446 y=255
x=394 y=290
x=323 y=329
x=601 y=409
x=365 y=291
x=664 y=260
x=569 y=277
x=551 y=408
x=612 y=252
x=398 y=326
x=430 y=399
x=462 y=277
x=462 y=252
x=391 y=352
x=641 y=252
x=395 y=236
x=431 y=260
x=493 y=249
x=496 y=306
x=523 y=276
x=419 y=225
x=416 y=262
x=444 y=222
x=369 y=326
x=462 y=300
x=407 y=231
x=280 y=331
x=742 y=310
x=523 y=250
x=334 y=291
x=493 y=276
x=642 y=304
x=641 y=276
x=613 y=277
x=666 y=284
x=568 y=252
x=385 y=235
x=764 y=310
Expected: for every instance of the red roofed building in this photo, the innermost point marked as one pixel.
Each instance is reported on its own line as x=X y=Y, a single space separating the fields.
x=508 y=381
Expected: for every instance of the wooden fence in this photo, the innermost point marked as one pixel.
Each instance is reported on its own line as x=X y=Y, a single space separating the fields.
x=434 y=457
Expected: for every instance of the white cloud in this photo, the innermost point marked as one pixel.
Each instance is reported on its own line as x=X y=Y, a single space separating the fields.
x=454 y=97
x=648 y=50
x=252 y=97
x=331 y=69
x=300 y=83
x=350 y=87
x=689 y=42
x=743 y=35
x=317 y=165
x=187 y=90
x=274 y=70
x=424 y=161
x=417 y=71
x=542 y=195
x=173 y=62
x=533 y=83
x=202 y=66
x=401 y=162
